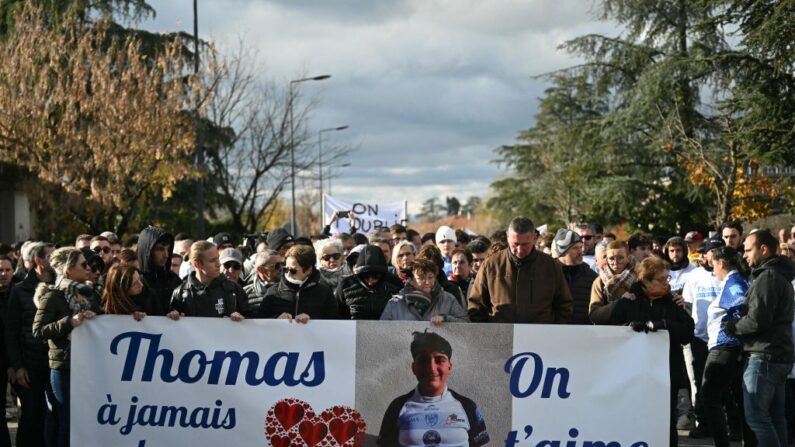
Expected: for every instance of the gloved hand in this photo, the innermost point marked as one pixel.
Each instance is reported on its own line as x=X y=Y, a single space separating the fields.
x=656 y=325
x=638 y=326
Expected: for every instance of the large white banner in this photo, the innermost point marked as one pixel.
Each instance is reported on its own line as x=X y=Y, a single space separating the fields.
x=208 y=382
x=368 y=215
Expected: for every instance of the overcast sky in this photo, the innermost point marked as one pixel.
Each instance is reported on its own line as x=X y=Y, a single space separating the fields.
x=429 y=88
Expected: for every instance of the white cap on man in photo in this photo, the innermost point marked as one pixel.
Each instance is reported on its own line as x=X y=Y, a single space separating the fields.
x=445 y=233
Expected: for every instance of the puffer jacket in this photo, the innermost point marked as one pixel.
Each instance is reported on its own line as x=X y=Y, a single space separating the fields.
x=24 y=350
x=51 y=323
x=312 y=297
x=159 y=282
x=442 y=303
x=580 y=278
x=357 y=300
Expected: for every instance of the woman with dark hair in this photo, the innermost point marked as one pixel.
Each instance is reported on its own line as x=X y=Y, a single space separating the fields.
x=300 y=294
x=433 y=253
x=422 y=299
x=724 y=366
x=462 y=274
x=123 y=293
x=59 y=309
x=652 y=309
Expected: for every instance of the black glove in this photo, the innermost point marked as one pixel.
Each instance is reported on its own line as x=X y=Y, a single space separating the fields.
x=638 y=326
x=656 y=325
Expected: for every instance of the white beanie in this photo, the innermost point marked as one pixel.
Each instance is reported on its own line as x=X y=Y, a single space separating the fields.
x=445 y=233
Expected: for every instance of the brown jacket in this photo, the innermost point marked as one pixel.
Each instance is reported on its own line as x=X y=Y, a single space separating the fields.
x=533 y=292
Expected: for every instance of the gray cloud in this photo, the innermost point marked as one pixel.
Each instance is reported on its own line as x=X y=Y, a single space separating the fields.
x=429 y=87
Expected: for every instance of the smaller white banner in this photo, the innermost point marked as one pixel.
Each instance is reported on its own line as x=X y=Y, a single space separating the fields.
x=588 y=385
x=367 y=215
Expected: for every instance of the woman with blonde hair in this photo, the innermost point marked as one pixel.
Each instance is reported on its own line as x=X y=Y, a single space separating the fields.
x=402 y=258
x=59 y=309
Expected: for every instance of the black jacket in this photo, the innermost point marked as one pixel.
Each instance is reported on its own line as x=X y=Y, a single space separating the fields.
x=451 y=288
x=766 y=324
x=357 y=300
x=580 y=279
x=313 y=298
x=676 y=320
x=24 y=350
x=220 y=298
x=159 y=282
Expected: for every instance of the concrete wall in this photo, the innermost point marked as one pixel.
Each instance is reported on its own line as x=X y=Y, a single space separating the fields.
x=383 y=369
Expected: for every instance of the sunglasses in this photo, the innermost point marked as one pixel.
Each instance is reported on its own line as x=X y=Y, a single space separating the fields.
x=332 y=256
x=586 y=237
x=291 y=270
x=277 y=265
x=98 y=250
x=232 y=266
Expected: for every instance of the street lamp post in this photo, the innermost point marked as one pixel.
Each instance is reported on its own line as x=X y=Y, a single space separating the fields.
x=320 y=159
x=292 y=145
x=344 y=165
x=197 y=129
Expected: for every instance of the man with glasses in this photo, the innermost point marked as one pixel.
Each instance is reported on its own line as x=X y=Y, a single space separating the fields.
x=101 y=246
x=587 y=234
x=364 y=295
x=232 y=264
x=268 y=270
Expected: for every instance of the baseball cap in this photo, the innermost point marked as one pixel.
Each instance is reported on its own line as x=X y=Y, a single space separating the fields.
x=693 y=236
x=231 y=254
x=222 y=239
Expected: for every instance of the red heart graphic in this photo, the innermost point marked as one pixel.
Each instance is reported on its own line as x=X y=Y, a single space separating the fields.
x=312 y=432
x=288 y=415
x=280 y=441
x=341 y=430
x=293 y=423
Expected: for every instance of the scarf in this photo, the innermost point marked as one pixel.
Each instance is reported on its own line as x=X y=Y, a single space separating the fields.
x=76 y=294
x=419 y=299
x=405 y=276
x=618 y=285
x=294 y=282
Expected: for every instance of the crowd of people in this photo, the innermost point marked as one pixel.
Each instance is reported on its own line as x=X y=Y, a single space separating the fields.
x=726 y=302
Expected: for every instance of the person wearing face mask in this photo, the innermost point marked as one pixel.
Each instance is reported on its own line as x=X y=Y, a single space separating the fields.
x=330 y=261
x=205 y=292
x=654 y=309
x=423 y=299
x=613 y=283
x=700 y=289
x=364 y=294
x=403 y=256
x=301 y=294
x=723 y=367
